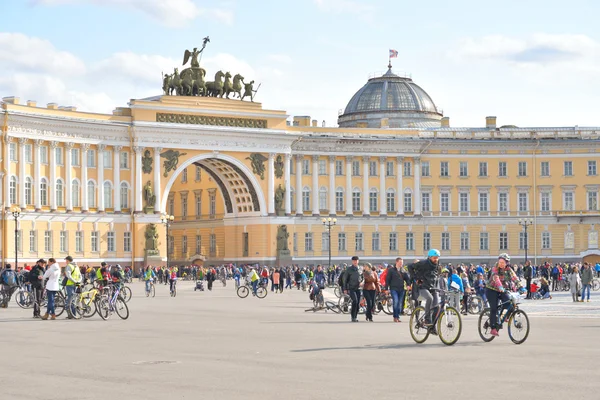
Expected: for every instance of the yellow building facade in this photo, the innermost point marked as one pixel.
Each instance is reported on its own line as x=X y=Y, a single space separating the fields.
x=233 y=174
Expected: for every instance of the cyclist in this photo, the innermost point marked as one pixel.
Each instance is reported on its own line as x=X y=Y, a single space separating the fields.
x=320 y=278
x=502 y=277
x=172 y=278
x=149 y=276
x=254 y=278
x=424 y=275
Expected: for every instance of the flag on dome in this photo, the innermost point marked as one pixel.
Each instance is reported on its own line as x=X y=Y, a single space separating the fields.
x=393 y=53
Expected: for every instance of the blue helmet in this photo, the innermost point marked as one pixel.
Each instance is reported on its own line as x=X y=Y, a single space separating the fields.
x=433 y=253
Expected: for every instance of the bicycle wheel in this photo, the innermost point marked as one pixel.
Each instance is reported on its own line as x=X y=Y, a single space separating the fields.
x=483 y=326
x=475 y=305
x=595 y=285
x=338 y=292
x=518 y=327
x=88 y=308
x=261 y=292
x=59 y=304
x=103 y=308
x=449 y=326
x=174 y=292
x=418 y=332
x=387 y=305
x=75 y=303
x=126 y=294
x=24 y=299
x=333 y=307
x=243 y=292
x=345 y=303
x=121 y=308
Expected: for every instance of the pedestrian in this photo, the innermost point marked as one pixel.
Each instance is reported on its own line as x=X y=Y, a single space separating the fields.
x=586 y=281
x=73 y=277
x=371 y=286
x=275 y=280
x=352 y=287
x=395 y=278
x=36 y=278
x=575 y=283
x=527 y=274
x=9 y=281
x=52 y=287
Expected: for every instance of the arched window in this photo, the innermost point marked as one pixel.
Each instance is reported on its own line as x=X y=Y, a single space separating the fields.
x=107 y=195
x=75 y=193
x=91 y=193
x=339 y=199
x=13 y=190
x=28 y=186
x=60 y=193
x=373 y=200
x=124 y=195
x=306 y=198
x=391 y=200
x=323 y=198
x=44 y=192
x=356 y=200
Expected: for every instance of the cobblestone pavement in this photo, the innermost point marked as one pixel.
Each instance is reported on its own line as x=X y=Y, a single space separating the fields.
x=214 y=345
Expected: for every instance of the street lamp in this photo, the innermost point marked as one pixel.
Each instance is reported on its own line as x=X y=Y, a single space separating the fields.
x=16 y=213
x=328 y=223
x=525 y=223
x=167 y=220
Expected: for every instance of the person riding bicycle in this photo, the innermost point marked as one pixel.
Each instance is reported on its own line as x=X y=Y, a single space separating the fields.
x=172 y=278
x=424 y=275
x=320 y=279
x=501 y=278
x=254 y=278
x=149 y=276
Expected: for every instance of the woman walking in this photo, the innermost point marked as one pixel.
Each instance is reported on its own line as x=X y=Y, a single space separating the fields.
x=575 y=283
x=53 y=275
x=370 y=287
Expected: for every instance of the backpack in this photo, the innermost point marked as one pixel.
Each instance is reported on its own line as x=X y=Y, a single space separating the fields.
x=555 y=271
x=9 y=278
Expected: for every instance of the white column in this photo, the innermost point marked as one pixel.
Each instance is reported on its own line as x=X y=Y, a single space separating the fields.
x=68 y=177
x=271 y=184
x=400 y=189
x=84 y=178
x=21 y=199
x=101 y=149
x=382 y=193
x=52 y=183
x=332 y=185
x=299 y=210
x=366 y=185
x=117 y=178
x=315 y=185
x=349 y=185
x=138 y=179
x=417 y=186
x=288 y=185
x=37 y=175
x=7 y=177
x=157 y=189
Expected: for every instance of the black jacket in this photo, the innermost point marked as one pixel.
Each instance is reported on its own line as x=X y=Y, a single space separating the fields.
x=527 y=272
x=33 y=275
x=351 y=278
x=424 y=273
x=395 y=279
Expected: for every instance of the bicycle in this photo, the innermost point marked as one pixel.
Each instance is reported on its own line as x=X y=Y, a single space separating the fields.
x=475 y=303
x=595 y=284
x=152 y=290
x=518 y=321
x=244 y=290
x=112 y=303
x=86 y=302
x=384 y=302
x=446 y=319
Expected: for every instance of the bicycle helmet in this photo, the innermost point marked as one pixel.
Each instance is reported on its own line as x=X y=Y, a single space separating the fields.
x=445 y=270
x=433 y=253
x=505 y=256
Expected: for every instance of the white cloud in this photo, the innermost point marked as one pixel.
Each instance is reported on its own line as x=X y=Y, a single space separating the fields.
x=135 y=67
x=280 y=58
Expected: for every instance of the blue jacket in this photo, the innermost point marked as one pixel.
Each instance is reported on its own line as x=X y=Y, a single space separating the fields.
x=458 y=280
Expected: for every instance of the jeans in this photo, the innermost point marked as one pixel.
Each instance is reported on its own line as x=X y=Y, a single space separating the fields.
x=237 y=280
x=370 y=299
x=51 y=295
x=355 y=297
x=288 y=283
x=430 y=298
x=147 y=285
x=171 y=284
x=71 y=307
x=493 y=297
x=583 y=290
x=398 y=300
x=254 y=286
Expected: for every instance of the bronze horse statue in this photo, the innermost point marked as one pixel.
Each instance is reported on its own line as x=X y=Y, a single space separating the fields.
x=215 y=88
x=236 y=87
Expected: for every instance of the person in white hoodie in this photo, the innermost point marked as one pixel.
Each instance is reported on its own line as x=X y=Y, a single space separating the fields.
x=52 y=287
x=575 y=282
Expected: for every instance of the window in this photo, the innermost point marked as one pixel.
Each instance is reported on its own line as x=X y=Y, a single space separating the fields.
x=75 y=157
x=94 y=241
x=545 y=168
x=324 y=242
x=407 y=168
x=426 y=241
x=198 y=244
x=124 y=195
x=212 y=204
x=425 y=169
x=545 y=200
x=339 y=200
x=568 y=168
x=63 y=241
x=341 y=241
x=391 y=201
x=463 y=169
x=523 y=241
x=464 y=240
x=445 y=240
x=79 y=241
x=592 y=201
x=124 y=160
x=107 y=195
x=91 y=188
x=48 y=241
x=339 y=167
x=546 y=242
x=184 y=207
x=502 y=168
x=91 y=158
x=393 y=241
x=410 y=241
x=408 y=202
x=308 y=242
x=75 y=193
x=12 y=152
x=60 y=193
x=358 y=241
x=198 y=206
x=28 y=154
x=12 y=190
x=523 y=201
x=372 y=168
x=592 y=168
x=389 y=168
x=184 y=176
x=484 y=241
x=444 y=168
x=198 y=175
x=373 y=201
x=568 y=198
x=58 y=152
x=483 y=169
x=305 y=167
x=356 y=200
x=522 y=168
x=355 y=168
x=444 y=202
x=425 y=202
x=33 y=241
x=28 y=196
x=184 y=246
x=463 y=201
x=483 y=202
x=503 y=202
x=322 y=167
x=110 y=242
x=44 y=154
x=127 y=242
x=106 y=157
x=503 y=245
x=306 y=199
x=375 y=242
x=171 y=206
x=323 y=199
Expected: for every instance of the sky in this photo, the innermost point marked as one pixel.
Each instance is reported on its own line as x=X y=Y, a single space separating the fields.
x=529 y=62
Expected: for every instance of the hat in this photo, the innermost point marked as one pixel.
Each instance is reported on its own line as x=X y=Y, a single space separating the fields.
x=103 y=263
x=41 y=261
x=354 y=258
x=69 y=258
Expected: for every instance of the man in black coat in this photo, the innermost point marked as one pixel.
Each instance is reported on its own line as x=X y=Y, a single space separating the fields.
x=36 y=278
x=352 y=287
x=527 y=274
x=424 y=275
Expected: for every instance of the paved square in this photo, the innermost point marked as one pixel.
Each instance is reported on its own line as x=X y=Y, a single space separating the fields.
x=213 y=345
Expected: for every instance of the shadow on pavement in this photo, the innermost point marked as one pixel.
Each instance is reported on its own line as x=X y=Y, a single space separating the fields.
x=387 y=347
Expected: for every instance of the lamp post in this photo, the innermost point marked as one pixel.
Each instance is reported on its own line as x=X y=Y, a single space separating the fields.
x=16 y=213
x=167 y=220
x=328 y=223
x=525 y=223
